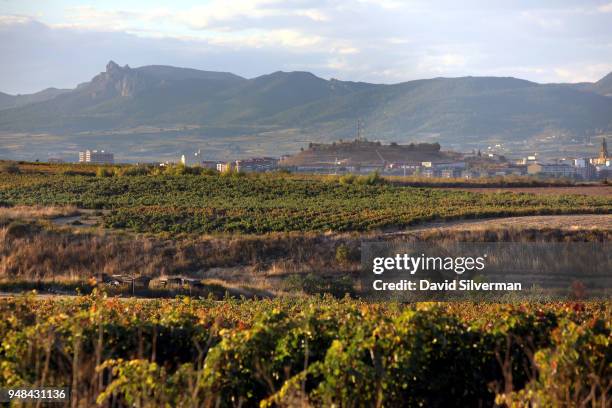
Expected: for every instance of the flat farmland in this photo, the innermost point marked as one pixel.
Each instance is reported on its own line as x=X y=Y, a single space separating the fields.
x=189 y=200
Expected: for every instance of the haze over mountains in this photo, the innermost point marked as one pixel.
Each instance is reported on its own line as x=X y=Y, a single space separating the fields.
x=13 y=101
x=161 y=110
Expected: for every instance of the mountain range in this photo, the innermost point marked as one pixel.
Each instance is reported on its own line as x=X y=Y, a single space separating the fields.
x=218 y=106
x=14 y=101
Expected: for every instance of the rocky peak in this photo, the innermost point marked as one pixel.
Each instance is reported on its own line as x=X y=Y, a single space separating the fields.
x=116 y=81
x=112 y=66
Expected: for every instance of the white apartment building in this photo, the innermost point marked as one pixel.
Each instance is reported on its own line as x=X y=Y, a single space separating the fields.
x=96 y=157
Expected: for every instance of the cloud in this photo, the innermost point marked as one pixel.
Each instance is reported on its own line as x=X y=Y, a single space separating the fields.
x=14 y=19
x=346 y=50
x=313 y=14
x=385 y=4
x=221 y=14
x=93 y=18
x=337 y=64
x=605 y=8
x=397 y=41
x=42 y=56
x=583 y=72
x=216 y=15
x=368 y=40
x=442 y=64
x=270 y=38
x=543 y=20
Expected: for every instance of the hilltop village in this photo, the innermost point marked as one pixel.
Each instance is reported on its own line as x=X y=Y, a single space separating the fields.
x=361 y=156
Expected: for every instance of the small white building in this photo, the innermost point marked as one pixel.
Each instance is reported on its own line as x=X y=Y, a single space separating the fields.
x=225 y=167
x=443 y=165
x=528 y=160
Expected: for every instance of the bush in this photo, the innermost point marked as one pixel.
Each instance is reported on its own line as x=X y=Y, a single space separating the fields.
x=21 y=229
x=209 y=172
x=342 y=286
x=9 y=168
x=313 y=284
x=134 y=171
x=69 y=172
x=316 y=351
x=342 y=254
x=104 y=172
x=370 y=179
x=176 y=170
x=417 y=359
x=181 y=170
x=347 y=179
x=574 y=371
x=310 y=283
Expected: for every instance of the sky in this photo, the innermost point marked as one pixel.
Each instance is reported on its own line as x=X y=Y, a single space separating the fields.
x=61 y=43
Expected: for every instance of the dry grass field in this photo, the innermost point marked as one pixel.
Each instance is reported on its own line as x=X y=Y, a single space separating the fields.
x=25 y=212
x=257 y=233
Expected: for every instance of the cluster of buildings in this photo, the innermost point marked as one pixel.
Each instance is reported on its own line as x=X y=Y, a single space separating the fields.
x=430 y=169
x=444 y=169
x=252 y=165
x=468 y=167
x=587 y=168
x=480 y=165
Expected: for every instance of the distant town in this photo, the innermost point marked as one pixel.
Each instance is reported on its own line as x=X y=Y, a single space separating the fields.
x=361 y=156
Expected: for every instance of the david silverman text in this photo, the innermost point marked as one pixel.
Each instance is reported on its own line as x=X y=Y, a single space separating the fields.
x=465 y=285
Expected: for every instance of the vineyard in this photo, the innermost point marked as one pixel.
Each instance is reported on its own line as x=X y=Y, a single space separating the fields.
x=211 y=203
x=269 y=325
x=307 y=352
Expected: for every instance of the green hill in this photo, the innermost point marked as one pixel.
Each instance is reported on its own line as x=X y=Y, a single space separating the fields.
x=11 y=101
x=604 y=85
x=448 y=110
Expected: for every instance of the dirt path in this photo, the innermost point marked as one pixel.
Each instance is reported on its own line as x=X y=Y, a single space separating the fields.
x=84 y=218
x=570 y=222
x=601 y=191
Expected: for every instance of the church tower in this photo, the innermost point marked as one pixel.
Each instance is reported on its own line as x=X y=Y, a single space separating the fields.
x=603 y=153
x=604 y=156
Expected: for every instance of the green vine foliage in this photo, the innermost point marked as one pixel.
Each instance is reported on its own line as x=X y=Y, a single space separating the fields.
x=205 y=203
x=315 y=351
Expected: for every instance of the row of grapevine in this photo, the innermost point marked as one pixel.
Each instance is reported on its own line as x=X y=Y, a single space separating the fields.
x=213 y=203
x=312 y=351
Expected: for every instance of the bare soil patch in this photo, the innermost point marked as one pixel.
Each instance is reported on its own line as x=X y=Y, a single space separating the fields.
x=564 y=222
x=599 y=190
